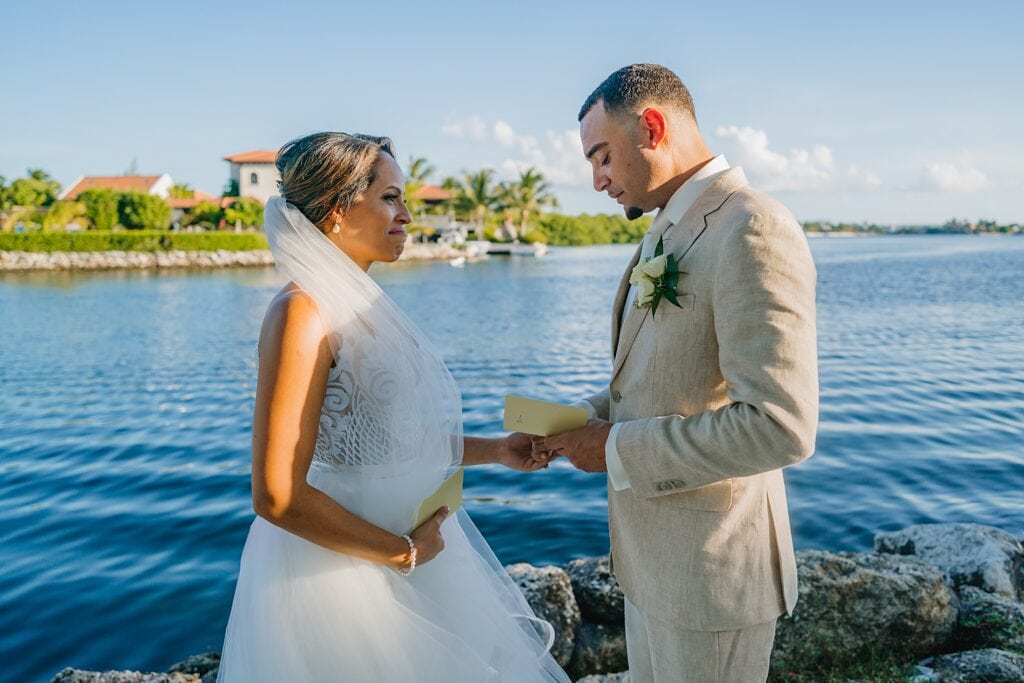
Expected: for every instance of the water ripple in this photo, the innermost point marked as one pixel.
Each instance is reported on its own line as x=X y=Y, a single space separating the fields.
x=127 y=398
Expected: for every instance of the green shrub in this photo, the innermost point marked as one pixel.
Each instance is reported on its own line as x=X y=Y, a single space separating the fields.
x=586 y=229
x=135 y=240
x=207 y=214
x=100 y=207
x=246 y=211
x=141 y=211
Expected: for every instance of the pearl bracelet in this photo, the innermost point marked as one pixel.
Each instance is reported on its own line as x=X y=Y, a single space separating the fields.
x=412 y=553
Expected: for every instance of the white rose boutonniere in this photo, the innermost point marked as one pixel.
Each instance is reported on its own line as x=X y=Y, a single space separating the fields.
x=655 y=277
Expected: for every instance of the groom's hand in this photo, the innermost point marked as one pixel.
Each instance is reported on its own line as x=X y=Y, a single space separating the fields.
x=516 y=452
x=584 y=447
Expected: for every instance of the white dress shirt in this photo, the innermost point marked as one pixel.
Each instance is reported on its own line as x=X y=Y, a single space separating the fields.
x=676 y=207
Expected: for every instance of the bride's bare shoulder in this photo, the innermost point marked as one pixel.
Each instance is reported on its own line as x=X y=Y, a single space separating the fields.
x=292 y=321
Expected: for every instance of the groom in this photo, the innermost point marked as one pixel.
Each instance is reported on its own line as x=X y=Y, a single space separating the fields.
x=708 y=399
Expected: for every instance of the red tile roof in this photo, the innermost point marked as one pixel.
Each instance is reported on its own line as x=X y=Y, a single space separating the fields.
x=256 y=156
x=184 y=202
x=119 y=183
x=432 y=193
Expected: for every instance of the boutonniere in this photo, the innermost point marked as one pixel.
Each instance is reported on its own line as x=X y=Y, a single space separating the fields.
x=656 y=277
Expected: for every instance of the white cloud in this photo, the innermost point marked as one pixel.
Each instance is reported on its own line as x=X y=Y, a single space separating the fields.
x=504 y=133
x=946 y=177
x=473 y=128
x=800 y=169
x=559 y=155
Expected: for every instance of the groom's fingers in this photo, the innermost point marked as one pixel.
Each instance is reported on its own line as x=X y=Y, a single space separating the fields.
x=539 y=451
x=553 y=444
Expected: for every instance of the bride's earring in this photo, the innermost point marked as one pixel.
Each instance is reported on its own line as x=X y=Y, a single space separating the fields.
x=336 y=229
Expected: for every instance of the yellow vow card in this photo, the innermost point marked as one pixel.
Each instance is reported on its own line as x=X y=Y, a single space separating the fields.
x=541 y=418
x=448 y=493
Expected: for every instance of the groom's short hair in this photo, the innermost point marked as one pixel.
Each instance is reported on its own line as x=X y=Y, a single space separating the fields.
x=638 y=85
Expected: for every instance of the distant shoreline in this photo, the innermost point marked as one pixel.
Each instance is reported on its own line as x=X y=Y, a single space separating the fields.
x=35 y=261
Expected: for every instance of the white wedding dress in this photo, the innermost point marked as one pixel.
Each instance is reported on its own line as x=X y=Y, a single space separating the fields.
x=306 y=614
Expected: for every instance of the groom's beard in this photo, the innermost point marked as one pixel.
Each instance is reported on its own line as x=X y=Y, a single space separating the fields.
x=634 y=212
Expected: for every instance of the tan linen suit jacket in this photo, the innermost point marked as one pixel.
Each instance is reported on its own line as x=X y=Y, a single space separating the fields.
x=714 y=398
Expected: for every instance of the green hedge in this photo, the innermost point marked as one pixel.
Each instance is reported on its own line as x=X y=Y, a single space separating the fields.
x=135 y=240
x=585 y=229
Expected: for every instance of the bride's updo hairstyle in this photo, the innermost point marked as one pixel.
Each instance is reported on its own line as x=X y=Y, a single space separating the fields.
x=324 y=172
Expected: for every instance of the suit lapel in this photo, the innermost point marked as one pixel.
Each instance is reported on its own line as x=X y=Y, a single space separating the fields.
x=635 y=318
x=618 y=307
x=678 y=240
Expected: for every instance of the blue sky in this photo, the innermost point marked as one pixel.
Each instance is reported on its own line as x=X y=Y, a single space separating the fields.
x=898 y=112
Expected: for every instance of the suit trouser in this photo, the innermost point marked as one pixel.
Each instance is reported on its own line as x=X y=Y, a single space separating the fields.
x=663 y=653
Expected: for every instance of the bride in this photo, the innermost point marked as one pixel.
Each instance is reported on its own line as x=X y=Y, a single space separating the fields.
x=357 y=421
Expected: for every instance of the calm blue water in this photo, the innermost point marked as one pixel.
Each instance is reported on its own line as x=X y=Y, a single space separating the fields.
x=126 y=399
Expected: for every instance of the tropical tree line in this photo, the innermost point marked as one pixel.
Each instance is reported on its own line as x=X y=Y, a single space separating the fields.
x=523 y=207
x=481 y=200
x=954 y=226
x=31 y=201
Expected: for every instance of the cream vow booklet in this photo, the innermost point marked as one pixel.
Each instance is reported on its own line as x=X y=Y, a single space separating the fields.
x=448 y=493
x=541 y=418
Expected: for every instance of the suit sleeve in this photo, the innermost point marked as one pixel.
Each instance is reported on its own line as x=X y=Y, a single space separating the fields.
x=596 y=405
x=763 y=306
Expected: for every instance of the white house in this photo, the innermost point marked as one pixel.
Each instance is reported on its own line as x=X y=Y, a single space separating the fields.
x=255 y=173
x=159 y=185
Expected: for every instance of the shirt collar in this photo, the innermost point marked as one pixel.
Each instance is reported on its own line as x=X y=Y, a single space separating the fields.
x=683 y=198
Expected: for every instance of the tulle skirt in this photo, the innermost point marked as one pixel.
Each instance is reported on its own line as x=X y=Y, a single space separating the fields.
x=306 y=614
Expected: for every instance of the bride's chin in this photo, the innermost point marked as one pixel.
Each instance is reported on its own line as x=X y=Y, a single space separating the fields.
x=396 y=252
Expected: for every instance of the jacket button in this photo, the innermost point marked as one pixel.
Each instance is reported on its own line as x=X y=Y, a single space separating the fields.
x=616 y=396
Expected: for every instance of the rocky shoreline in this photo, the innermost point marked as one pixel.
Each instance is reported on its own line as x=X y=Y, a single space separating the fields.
x=22 y=261
x=948 y=597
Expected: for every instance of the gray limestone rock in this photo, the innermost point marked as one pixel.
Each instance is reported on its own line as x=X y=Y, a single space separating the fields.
x=979 y=666
x=197 y=664
x=853 y=604
x=70 y=675
x=987 y=620
x=600 y=649
x=622 y=677
x=597 y=592
x=967 y=554
x=549 y=593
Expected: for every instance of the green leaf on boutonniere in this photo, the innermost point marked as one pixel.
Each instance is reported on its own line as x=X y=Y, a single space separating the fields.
x=660 y=248
x=670 y=294
x=654 y=304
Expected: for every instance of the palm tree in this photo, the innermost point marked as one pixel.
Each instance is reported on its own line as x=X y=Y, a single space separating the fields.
x=419 y=171
x=181 y=191
x=528 y=196
x=476 y=197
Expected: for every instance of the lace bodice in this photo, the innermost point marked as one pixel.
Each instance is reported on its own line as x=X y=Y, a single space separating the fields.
x=362 y=398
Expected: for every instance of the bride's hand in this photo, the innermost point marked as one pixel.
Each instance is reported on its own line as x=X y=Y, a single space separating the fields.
x=516 y=453
x=427 y=538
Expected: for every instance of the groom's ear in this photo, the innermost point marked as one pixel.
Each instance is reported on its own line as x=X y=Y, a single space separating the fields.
x=653 y=127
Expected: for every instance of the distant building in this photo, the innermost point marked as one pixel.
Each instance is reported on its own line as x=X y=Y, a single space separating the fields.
x=159 y=185
x=254 y=173
x=432 y=195
x=183 y=206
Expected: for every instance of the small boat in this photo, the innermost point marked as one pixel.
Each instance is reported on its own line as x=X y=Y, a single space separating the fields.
x=518 y=248
x=477 y=248
x=458 y=262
